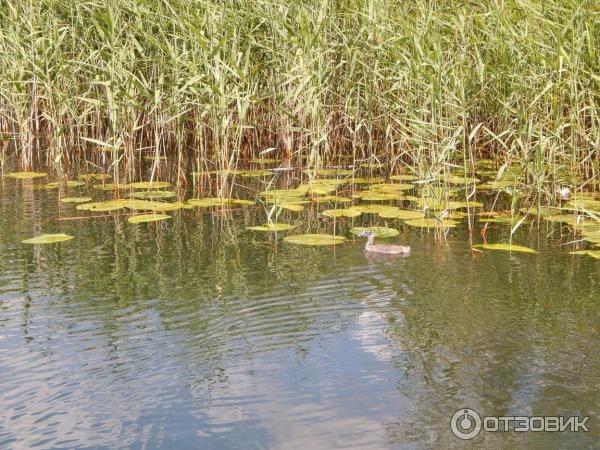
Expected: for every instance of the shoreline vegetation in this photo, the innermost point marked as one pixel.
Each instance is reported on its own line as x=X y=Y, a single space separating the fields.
x=507 y=91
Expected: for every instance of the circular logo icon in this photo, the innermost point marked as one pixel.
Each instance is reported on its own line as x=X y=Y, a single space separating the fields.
x=465 y=423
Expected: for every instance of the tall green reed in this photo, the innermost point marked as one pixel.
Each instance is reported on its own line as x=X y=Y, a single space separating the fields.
x=425 y=86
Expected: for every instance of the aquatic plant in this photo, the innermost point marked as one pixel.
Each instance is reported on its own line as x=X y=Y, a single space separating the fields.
x=505 y=247
x=315 y=239
x=144 y=218
x=48 y=239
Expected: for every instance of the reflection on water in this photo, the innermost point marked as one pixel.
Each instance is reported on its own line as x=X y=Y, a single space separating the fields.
x=199 y=334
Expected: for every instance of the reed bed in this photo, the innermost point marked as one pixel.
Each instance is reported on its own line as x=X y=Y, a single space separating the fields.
x=424 y=87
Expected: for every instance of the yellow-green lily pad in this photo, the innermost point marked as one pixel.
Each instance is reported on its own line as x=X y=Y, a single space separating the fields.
x=366 y=180
x=330 y=198
x=264 y=160
x=375 y=196
x=498 y=185
x=57 y=184
x=431 y=223
x=146 y=205
x=256 y=173
x=149 y=185
x=569 y=219
x=94 y=176
x=111 y=205
x=462 y=180
x=504 y=220
x=283 y=194
x=403 y=177
x=273 y=227
x=152 y=195
x=209 y=202
x=505 y=247
x=314 y=239
x=334 y=213
x=329 y=172
x=143 y=218
x=392 y=187
x=25 y=175
x=76 y=199
x=110 y=186
x=48 y=239
x=402 y=214
x=593 y=253
x=382 y=232
x=374 y=209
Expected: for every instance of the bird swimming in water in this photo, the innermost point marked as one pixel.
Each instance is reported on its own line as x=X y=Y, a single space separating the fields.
x=383 y=248
x=563 y=193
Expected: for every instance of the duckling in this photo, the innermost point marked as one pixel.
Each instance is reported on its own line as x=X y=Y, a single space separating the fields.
x=383 y=248
x=563 y=193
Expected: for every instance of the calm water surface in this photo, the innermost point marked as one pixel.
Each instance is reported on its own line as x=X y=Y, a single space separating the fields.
x=195 y=333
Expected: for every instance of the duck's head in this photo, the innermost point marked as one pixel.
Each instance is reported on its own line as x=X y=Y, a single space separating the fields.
x=367 y=233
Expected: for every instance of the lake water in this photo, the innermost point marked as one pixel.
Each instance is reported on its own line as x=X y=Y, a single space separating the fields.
x=196 y=333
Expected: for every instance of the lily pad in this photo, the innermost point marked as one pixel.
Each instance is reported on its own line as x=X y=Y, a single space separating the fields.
x=314 y=239
x=392 y=187
x=403 y=177
x=375 y=196
x=111 y=205
x=462 y=180
x=334 y=213
x=585 y=204
x=465 y=204
x=149 y=185
x=284 y=194
x=374 y=209
x=110 y=186
x=145 y=205
x=431 y=223
x=402 y=214
x=94 y=176
x=143 y=218
x=273 y=227
x=569 y=219
x=256 y=173
x=296 y=207
x=498 y=185
x=378 y=231
x=69 y=184
x=264 y=160
x=505 y=247
x=592 y=253
x=329 y=172
x=76 y=199
x=210 y=202
x=151 y=195
x=543 y=211
x=504 y=220
x=48 y=186
x=366 y=180
x=224 y=172
x=330 y=198
x=25 y=175
x=48 y=239
x=323 y=189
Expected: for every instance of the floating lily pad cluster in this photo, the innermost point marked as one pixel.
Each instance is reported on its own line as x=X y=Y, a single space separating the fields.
x=425 y=201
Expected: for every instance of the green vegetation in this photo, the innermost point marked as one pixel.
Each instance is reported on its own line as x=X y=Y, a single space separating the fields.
x=399 y=112
x=414 y=86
